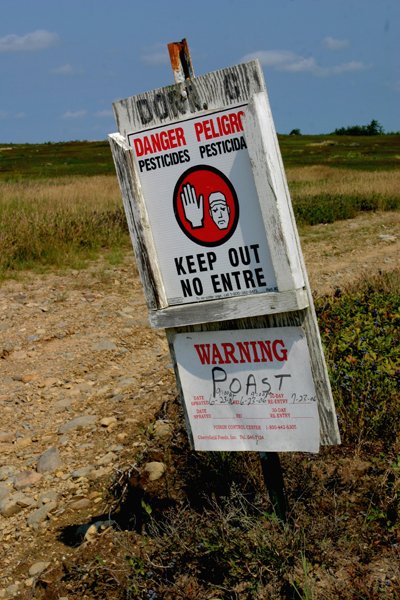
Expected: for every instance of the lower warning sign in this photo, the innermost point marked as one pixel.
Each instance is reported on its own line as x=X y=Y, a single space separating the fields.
x=249 y=389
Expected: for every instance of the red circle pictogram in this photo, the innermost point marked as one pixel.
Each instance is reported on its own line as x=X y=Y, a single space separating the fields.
x=206 y=206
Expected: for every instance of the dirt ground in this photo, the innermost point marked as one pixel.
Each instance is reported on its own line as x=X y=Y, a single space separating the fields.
x=79 y=344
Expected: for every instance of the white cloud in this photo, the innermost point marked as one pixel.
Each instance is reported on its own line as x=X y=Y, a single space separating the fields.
x=284 y=60
x=74 y=115
x=344 y=68
x=5 y=115
x=333 y=44
x=155 y=55
x=104 y=113
x=37 y=40
x=67 y=70
x=271 y=58
x=155 y=59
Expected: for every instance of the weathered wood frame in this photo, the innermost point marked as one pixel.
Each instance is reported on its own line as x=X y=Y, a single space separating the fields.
x=229 y=87
x=292 y=304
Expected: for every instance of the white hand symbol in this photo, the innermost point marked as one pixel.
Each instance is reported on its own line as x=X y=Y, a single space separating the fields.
x=193 y=208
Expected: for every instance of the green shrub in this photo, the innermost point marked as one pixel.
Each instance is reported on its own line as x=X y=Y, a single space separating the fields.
x=334 y=207
x=361 y=335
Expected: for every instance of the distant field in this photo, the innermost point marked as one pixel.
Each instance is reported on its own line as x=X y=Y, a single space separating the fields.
x=380 y=152
x=43 y=161
x=60 y=204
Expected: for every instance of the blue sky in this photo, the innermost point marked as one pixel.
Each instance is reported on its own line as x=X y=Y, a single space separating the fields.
x=327 y=63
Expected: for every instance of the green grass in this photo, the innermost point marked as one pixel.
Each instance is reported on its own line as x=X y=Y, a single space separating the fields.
x=373 y=153
x=60 y=223
x=63 y=159
x=64 y=223
x=66 y=241
x=38 y=161
x=38 y=230
x=328 y=208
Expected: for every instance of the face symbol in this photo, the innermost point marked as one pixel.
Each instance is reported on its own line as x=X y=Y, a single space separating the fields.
x=219 y=210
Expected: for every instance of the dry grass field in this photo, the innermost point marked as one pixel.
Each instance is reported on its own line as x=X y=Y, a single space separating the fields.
x=59 y=222
x=63 y=222
x=49 y=197
x=317 y=180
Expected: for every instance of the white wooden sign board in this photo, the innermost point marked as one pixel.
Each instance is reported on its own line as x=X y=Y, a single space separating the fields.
x=249 y=389
x=203 y=208
x=213 y=239
x=212 y=226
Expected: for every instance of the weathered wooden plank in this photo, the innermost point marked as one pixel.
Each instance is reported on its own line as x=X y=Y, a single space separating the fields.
x=228 y=308
x=234 y=85
x=327 y=413
x=269 y=178
x=138 y=223
x=170 y=337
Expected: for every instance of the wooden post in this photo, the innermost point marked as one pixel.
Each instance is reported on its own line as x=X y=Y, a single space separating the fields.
x=181 y=61
x=150 y=186
x=273 y=477
x=271 y=467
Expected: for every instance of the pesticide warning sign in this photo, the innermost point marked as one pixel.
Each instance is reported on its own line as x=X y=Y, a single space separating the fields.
x=203 y=208
x=206 y=206
x=249 y=389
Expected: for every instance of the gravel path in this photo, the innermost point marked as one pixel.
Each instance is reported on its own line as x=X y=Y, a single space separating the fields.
x=80 y=373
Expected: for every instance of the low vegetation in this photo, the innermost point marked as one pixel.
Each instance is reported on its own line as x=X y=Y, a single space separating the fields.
x=358 y=153
x=21 y=162
x=360 y=331
x=59 y=223
x=323 y=194
x=207 y=528
x=60 y=204
x=63 y=222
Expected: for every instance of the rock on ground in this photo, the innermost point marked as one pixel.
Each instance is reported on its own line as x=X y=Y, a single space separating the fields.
x=106 y=459
x=6 y=488
x=77 y=423
x=155 y=470
x=37 y=568
x=47 y=497
x=40 y=515
x=49 y=461
x=26 y=479
x=11 y=505
x=105 y=345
